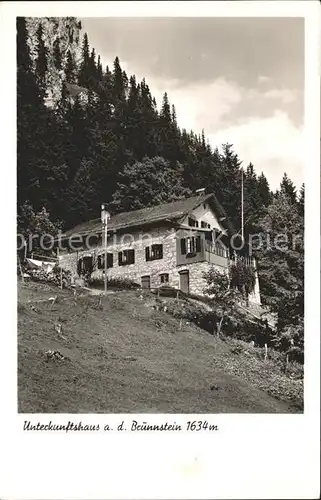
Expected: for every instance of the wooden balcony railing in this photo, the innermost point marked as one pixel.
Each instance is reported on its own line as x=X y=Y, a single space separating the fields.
x=216 y=254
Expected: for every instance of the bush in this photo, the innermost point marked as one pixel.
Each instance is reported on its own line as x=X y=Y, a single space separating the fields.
x=54 y=276
x=167 y=291
x=116 y=283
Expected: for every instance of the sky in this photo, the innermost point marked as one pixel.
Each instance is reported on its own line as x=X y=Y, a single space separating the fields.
x=239 y=79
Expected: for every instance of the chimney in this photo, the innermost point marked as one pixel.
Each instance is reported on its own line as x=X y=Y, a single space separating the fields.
x=200 y=191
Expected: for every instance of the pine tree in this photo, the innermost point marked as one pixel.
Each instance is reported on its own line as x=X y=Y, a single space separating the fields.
x=57 y=54
x=70 y=70
x=229 y=186
x=203 y=142
x=76 y=147
x=165 y=113
x=28 y=93
x=174 y=116
x=301 y=200
x=41 y=61
x=264 y=190
x=118 y=83
x=99 y=69
x=147 y=183
x=93 y=74
x=30 y=110
x=81 y=195
x=84 y=70
x=253 y=207
x=281 y=260
x=288 y=188
x=148 y=123
x=168 y=136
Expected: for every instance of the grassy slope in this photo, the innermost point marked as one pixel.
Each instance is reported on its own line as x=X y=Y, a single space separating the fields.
x=129 y=358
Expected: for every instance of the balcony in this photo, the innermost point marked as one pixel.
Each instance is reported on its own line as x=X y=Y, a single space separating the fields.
x=215 y=254
x=196 y=248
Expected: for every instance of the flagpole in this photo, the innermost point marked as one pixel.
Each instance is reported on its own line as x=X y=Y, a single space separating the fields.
x=242 y=207
x=105 y=257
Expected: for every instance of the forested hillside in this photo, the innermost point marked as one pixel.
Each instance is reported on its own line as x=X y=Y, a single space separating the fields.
x=88 y=134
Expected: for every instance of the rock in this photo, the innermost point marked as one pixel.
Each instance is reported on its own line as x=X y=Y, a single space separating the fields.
x=55 y=356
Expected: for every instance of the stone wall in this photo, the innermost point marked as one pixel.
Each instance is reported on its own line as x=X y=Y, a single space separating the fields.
x=168 y=264
x=138 y=241
x=196 y=270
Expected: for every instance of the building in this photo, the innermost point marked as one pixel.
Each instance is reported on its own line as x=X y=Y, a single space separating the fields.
x=172 y=244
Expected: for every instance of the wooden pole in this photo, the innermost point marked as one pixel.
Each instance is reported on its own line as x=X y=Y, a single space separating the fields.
x=105 y=259
x=61 y=286
x=266 y=352
x=242 y=207
x=22 y=278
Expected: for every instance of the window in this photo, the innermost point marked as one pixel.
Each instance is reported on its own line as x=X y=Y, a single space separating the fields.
x=154 y=252
x=126 y=257
x=192 y=222
x=85 y=266
x=205 y=225
x=190 y=246
x=164 y=278
x=101 y=261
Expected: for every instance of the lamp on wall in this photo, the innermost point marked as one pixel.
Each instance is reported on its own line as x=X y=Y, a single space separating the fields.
x=105 y=215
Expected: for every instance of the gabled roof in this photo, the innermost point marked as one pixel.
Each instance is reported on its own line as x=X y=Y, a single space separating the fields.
x=172 y=212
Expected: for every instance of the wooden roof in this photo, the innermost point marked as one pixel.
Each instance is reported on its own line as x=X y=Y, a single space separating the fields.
x=172 y=212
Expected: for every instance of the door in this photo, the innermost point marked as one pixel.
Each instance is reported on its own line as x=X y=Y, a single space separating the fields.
x=184 y=281
x=146 y=282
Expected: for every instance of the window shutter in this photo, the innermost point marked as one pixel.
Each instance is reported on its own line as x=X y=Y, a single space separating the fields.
x=183 y=246
x=198 y=244
x=131 y=256
x=110 y=260
x=147 y=253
